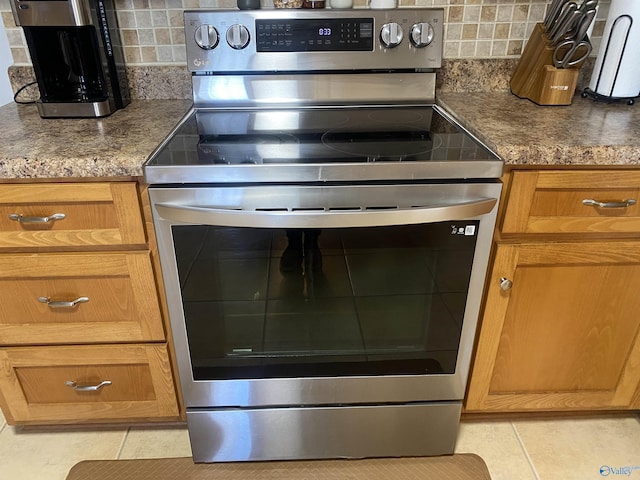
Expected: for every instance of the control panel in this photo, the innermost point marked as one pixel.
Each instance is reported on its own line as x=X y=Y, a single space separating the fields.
x=304 y=40
x=314 y=35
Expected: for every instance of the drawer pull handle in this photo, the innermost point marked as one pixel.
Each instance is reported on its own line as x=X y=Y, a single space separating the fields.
x=622 y=204
x=86 y=388
x=70 y=304
x=50 y=219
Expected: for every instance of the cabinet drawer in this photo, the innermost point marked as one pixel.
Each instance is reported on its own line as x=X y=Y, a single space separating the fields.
x=38 y=383
x=65 y=215
x=108 y=297
x=554 y=202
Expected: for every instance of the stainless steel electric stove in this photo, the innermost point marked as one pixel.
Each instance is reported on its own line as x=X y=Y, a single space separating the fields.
x=324 y=232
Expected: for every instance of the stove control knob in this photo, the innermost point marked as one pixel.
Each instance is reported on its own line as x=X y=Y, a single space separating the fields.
x=238 y=36
x=391 y=35
x=206 y=37
x=421 y=34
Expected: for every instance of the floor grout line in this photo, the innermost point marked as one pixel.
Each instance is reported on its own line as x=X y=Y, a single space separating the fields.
x=524 y=450
x=124 y=440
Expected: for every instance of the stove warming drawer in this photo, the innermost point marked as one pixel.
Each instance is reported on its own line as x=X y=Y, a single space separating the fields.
x=323 y=432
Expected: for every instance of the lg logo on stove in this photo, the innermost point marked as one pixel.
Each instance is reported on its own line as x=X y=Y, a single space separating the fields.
x=200 y=62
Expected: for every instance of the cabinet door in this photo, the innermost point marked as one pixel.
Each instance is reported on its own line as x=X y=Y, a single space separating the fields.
x=586 y=202
x=65 y=216
x=57 y=298
x=76 y=384
x=636 y=402
x=565 y=335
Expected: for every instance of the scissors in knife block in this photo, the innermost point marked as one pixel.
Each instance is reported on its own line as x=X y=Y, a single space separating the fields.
x=570 y=53
x=576 y=47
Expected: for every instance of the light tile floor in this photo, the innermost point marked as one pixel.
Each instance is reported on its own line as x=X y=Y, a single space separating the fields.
x=541 y=449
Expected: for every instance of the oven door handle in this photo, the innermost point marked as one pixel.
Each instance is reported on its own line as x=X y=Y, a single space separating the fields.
x=330 y=218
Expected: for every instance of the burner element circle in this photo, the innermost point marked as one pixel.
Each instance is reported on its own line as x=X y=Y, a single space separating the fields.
x=250 y=148
x=382 y=141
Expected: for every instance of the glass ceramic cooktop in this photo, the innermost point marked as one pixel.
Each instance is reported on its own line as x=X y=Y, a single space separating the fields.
x=301 y=145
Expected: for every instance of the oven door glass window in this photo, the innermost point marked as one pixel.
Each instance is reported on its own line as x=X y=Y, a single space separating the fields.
x=268 y=303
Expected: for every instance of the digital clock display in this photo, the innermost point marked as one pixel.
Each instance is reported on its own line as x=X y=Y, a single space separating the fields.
x=314 y=35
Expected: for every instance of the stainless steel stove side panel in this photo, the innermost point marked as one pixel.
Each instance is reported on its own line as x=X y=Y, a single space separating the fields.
x=325 y=432
x=223 y=91
x=224 y=58
x=327 y=390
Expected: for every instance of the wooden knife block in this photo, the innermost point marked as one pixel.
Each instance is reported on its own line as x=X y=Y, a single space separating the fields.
x=535 y=77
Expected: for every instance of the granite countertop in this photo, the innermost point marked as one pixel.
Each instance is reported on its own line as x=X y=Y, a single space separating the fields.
x=113 y=146
x=585 y=133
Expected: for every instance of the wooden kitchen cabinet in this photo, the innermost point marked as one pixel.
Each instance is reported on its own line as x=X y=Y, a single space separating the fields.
x=564 y=335
x=90 y=215
x=65 y=384
x=80 y=305
x=54 y=298
x=636 y=401
x=560 y=328
x=551 y=202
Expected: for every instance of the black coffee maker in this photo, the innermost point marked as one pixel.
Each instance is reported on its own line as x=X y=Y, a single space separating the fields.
x=77 y=56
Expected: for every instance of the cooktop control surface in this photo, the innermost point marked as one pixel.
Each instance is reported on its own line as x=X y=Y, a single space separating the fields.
x=288 y=40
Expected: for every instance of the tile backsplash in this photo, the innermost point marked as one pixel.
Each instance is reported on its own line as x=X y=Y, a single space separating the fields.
x=152 y=30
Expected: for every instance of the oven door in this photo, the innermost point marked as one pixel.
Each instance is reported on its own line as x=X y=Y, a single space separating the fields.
x=324 y=295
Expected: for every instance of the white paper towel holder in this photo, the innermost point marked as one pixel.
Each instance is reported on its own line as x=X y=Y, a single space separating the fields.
x=604 y=51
